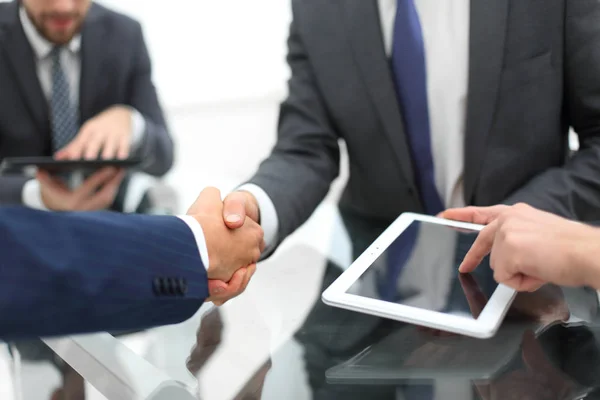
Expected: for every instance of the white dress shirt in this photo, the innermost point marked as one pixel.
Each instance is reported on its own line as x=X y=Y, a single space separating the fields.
x=445 y=26
x=71 y=62
x=199 y=236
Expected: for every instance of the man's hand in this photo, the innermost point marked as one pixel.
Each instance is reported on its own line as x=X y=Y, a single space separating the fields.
x=106 y=136
x=237 y=206
x=221 y=292
x=528 y=247
x=96 y=193
x=228 y=249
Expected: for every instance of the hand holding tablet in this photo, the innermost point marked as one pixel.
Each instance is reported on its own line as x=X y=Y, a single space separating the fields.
x=55 y=166
x=410 y=273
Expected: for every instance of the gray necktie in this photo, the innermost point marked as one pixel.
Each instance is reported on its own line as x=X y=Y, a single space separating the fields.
x=64 y=117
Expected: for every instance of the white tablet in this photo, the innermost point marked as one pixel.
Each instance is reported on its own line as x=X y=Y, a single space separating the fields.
x=410 y=273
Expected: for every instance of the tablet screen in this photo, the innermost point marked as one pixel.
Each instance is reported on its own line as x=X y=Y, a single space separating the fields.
x=420 y=269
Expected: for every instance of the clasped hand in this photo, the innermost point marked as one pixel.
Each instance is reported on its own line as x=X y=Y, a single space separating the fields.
x=233 y=251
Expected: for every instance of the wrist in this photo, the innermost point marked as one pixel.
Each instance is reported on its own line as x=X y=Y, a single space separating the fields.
x=586 y=259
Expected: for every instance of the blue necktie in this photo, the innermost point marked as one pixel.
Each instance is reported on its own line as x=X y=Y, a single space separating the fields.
x=408 y=64
x=63 y=114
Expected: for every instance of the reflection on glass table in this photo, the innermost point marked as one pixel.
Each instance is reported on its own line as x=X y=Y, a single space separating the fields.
x=279 y=341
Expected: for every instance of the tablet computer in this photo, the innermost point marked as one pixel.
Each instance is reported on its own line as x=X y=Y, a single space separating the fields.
x=410 y=273
x=64 y=166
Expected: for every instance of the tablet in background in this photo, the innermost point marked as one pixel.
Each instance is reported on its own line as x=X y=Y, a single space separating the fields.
x=19 y=164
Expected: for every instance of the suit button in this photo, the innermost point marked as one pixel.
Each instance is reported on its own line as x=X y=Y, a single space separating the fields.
x=168 y=286
x=163 y=287
x=411 y=191
x=156 y=287
x=183 y=286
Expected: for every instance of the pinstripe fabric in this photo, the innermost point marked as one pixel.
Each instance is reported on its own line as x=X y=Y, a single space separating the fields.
x=83 y=272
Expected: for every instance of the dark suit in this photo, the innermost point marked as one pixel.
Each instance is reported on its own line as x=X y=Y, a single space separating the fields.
x=65 y=273
x=115 y=69
x=533 y=72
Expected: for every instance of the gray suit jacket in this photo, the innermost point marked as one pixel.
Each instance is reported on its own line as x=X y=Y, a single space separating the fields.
x=115 y=69
x=534 y=70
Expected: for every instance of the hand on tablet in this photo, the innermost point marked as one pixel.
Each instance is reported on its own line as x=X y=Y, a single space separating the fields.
x=530 y=247
x=106 y=136
x=96 y=193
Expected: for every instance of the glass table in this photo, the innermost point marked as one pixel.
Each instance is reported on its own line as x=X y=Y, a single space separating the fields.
x=279 y=341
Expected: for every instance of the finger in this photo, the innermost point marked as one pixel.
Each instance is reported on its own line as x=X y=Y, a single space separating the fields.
x=263 y=246
x=46 y=180
x=220 y=292
x=250 y=270
x=104 y=198
x=209 y=202
x=521 y=283
x=216 y=287
x=94 y=143
x=480 y=248
x=94 y=182
x=475 y=215
x=110 y=147
x=234 y=210
x=124 y=147
x=74 y=150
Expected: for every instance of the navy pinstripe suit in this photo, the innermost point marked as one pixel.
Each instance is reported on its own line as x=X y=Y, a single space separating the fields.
x=65 y=273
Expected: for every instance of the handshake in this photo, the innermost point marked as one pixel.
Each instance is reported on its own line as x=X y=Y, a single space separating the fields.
x=234 y=240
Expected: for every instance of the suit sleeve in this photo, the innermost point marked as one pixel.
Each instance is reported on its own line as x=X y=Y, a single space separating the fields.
x=11 y=189
x=156 y=148
x=573 y=191
x=66 y=273
x=305 y=160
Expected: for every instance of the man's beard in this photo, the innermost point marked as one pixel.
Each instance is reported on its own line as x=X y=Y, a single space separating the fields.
x=56 y=37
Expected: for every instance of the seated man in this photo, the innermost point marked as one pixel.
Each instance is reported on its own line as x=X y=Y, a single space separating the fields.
x=76 y=83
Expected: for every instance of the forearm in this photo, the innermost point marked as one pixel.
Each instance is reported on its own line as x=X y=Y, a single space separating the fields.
x=296 y=185
x=155 y=149
x=571 y=191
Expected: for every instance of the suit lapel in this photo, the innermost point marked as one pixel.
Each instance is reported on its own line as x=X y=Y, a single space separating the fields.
x=22 y=62
x=366 y=40
x=92 y=44
x=487 y=37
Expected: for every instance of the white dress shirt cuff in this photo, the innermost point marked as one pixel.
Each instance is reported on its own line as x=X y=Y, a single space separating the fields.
x=32 y=195
x=196 y=229
x=268 y=215
x=138 y=128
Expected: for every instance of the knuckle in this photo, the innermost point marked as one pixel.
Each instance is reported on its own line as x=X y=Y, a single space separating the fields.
x=521 y=206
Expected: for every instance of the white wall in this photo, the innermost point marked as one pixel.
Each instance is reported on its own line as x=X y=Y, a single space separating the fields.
x=208 y=51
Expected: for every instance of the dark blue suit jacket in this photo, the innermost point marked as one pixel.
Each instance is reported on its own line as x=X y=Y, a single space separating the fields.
x=65 y=273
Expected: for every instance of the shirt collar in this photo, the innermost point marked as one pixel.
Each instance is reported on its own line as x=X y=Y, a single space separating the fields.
x=42 y=47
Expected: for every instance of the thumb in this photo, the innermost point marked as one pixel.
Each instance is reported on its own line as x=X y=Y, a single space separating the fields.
x=475 y=215
x=216 y=287
x=234 y=210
